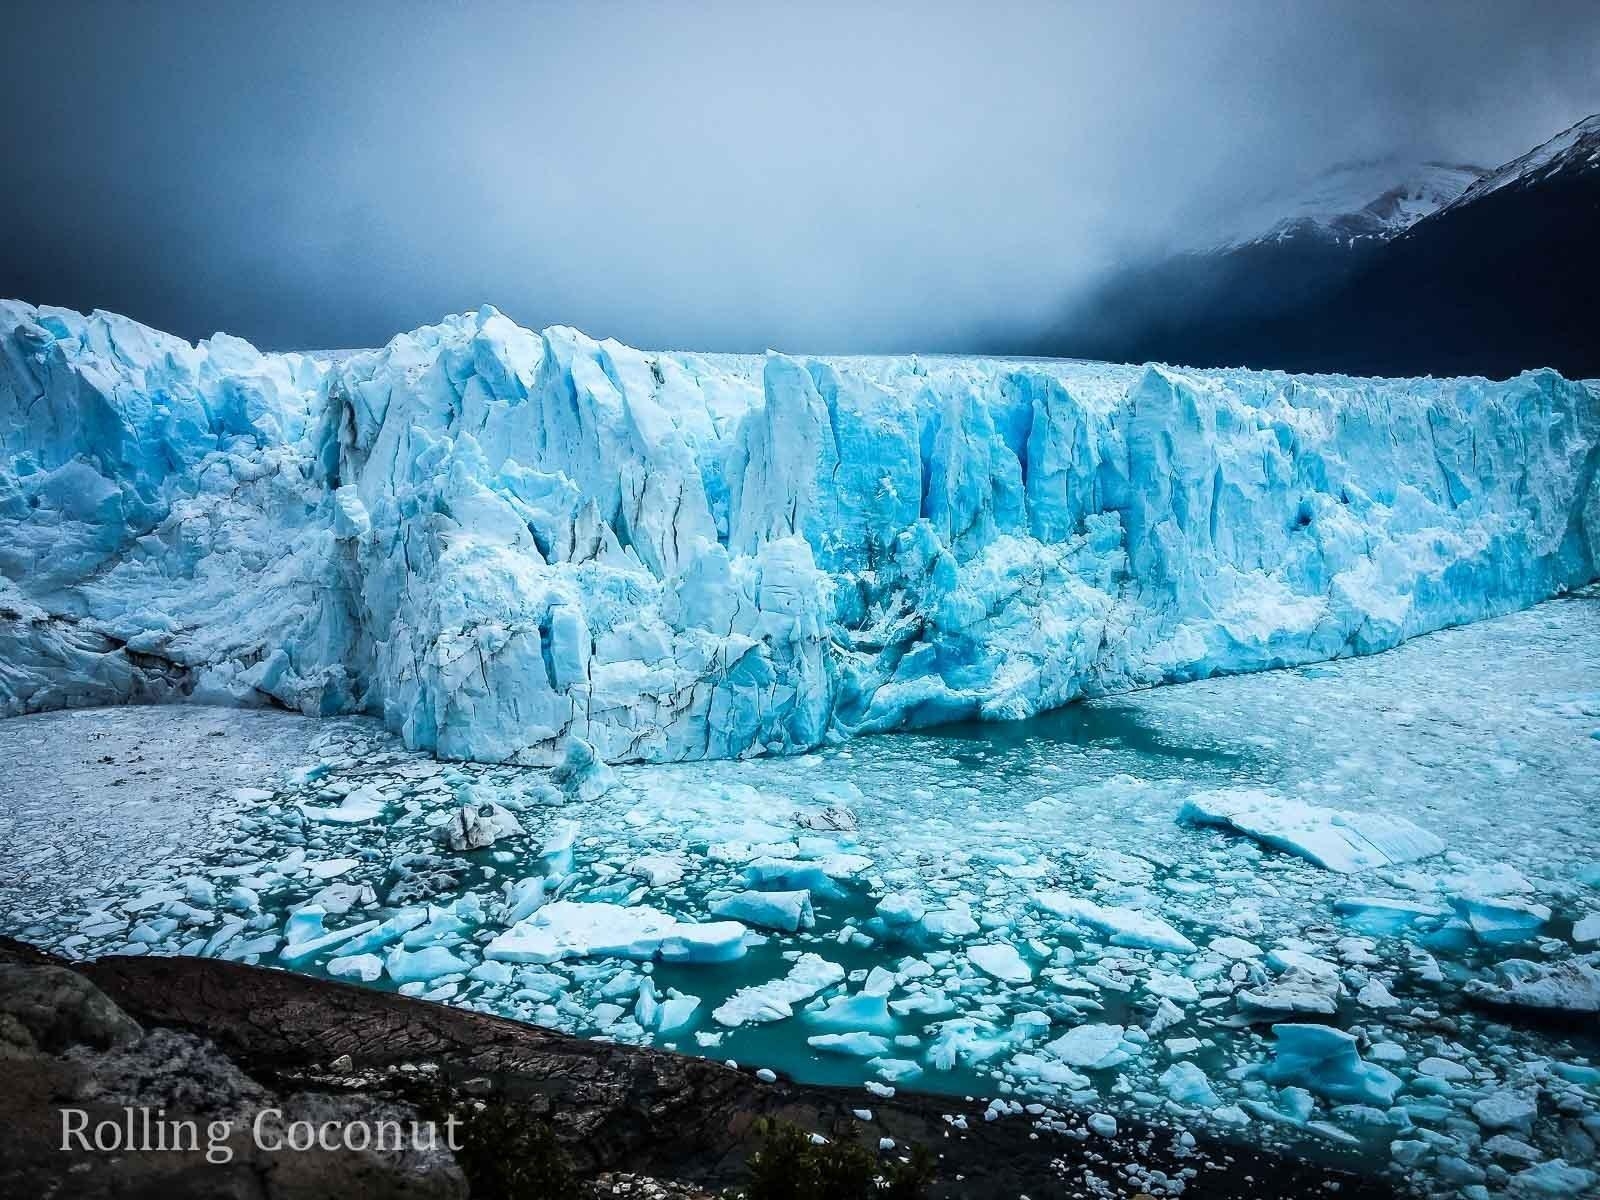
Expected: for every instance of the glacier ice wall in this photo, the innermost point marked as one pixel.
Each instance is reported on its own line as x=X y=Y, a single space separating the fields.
x=507 y=542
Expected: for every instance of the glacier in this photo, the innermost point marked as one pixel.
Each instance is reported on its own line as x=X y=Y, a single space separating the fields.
x=539 y=548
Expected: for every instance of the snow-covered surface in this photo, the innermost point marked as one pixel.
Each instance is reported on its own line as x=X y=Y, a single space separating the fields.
x=1434 y=1017
x=1340 y=841
x=1369 y=200
x=537 y=548
x=1572 y=150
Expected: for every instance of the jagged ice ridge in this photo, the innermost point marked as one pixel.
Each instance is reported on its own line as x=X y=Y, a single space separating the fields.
x=536 y=547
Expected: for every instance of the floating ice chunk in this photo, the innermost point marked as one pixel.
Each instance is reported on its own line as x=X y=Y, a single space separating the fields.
x=339 y=898
x=676 y=1012
x=1572 y=986
x=581 y=774
x=304 y=925
x=1187 y=1084
x=1120 y=867
x=880 y=982
x=498 y=974
x=956 y=921
x=1497 y=920
x=1380 y=916
x=1444 y=1068
x=1492 y=879
x=1297 y=990
x=478 y=826
x=775 y=999
x=1049 y=1070
x=895 y=1070
x=557 y=851
x=1167 y=1015
x=1125 y=926
x=815 y=875
x=1092 y=1047
x=1338 y=841
x=303 y=943
x=789 y=874
x=1325 y=1060
x=929 y=1003
x=391 y=930
x=575 y=929
x=787 y=911
x=834 y=818
x=365 y=967
x=1234 y=948
x=331 y=868
x=859 y=1045
x=1287 y=958
x=1553 y=1180
x=1507 y=1110
x=524 y=897
x=863 y=1011
x=1172 y=987
x=902 y=908
x=1001 y=960
x=423 y=966
x=657 y=870
x=360 y=806
x=1587 y=929
x=1503 y=1145
x=1375 y=995
x=968 y=1041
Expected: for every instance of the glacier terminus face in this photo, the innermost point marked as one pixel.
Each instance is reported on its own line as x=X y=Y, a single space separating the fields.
x=538 y=548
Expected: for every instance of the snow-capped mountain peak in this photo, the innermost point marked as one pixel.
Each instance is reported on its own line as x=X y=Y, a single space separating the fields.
x=1375 y=199
x=1574 y=149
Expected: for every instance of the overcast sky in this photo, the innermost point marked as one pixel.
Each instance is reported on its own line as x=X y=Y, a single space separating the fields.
x=803 y=176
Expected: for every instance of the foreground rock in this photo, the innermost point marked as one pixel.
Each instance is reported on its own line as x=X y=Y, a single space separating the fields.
x=222 y=1041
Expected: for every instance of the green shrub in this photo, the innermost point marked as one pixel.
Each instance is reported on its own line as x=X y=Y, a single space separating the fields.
x=791 y=1166
x=509 y=1154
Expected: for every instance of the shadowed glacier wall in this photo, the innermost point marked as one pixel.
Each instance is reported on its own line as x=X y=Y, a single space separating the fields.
x=510 y=544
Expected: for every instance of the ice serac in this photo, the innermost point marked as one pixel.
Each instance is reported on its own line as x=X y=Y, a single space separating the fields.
x=165 y=531
x=520 y=546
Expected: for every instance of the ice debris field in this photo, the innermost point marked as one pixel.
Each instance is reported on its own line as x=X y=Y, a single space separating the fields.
x=1323 y=908
x=1350 y=906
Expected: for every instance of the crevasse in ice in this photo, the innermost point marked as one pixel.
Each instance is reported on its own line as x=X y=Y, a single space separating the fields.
x=540 y=548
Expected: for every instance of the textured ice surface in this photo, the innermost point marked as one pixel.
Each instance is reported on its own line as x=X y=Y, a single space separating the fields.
x=1340 y=841
x=516 y=546
x=574 y=930
x=936 y=852
x=1327 y=1061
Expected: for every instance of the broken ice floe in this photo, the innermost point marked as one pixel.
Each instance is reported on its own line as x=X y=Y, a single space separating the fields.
x=1059 y=940
x=567 y=929
x=1339 y=841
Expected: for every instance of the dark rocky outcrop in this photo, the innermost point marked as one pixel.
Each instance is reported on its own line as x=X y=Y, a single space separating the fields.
x=221 y=1040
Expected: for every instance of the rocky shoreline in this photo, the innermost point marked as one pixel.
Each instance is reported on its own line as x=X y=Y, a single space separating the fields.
x=215 y=1039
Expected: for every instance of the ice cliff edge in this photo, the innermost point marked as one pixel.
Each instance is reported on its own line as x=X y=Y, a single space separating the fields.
x=509 y=543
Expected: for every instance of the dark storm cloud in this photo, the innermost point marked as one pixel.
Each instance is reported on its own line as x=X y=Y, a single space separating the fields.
x=828 y=177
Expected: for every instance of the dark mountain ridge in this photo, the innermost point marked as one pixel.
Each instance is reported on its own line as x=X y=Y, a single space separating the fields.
x=1502 y=279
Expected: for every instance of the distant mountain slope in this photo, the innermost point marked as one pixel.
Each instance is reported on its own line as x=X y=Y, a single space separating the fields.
x=1351 y=203
x=1504 y=277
